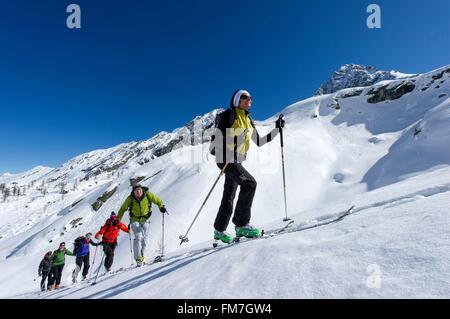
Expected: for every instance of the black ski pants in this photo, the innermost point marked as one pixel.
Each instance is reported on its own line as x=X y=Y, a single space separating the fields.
x=236 y=175
x=56 y=275
x=108 y=249
x=46 y=275
x=83 y=262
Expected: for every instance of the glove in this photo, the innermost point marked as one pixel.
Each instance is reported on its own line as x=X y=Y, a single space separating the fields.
x=279 y=123
x=163 y=209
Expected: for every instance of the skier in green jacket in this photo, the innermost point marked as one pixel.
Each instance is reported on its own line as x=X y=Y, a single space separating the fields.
x=139 y=205
x=58 y=262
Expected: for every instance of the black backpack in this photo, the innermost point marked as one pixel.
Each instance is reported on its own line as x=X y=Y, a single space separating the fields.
x=78 y=243
x=215 y=124
x=222 y=121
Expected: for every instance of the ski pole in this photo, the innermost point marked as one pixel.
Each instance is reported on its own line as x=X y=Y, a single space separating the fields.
x=98 y=270
x=284 y=174
x=184 y=238
x=93 y=262
x=131 y=246
x=162 y=245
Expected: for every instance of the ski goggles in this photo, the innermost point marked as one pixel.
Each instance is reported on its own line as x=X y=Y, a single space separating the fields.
x=245 y=97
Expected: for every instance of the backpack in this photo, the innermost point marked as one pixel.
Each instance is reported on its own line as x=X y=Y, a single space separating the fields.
x=78 y=243
x=218 y=125
x=223 y=121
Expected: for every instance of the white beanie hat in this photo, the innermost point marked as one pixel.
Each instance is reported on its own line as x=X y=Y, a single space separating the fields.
x=237 y=97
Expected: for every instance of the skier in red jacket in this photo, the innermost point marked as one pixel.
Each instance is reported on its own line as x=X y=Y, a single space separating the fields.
x=108 y=234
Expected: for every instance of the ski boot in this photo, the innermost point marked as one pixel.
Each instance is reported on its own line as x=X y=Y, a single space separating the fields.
x=157 y=259
x=75 y=274
x=248 y=231
x=74 y=277
x=223 y=237
x=140 y=261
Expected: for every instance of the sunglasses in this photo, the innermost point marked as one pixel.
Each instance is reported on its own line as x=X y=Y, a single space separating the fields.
x=245 y=97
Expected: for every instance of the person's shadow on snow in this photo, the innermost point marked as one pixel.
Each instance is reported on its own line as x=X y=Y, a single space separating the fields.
x=152 y=275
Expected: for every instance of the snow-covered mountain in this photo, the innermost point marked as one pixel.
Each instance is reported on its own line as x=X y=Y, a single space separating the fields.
x=62 y=188
x=25 y=177
x=113 y=160
x=355 y=75
x=381 y=147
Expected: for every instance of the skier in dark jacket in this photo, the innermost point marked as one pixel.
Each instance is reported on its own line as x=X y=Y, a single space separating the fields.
x=230 y=144
x=58 y=262
x=44 y=270
x=82 y=251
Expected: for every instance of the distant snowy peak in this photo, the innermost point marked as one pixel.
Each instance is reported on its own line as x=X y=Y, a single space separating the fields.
x=25 y=177
x=355 y=75
x=206 y=119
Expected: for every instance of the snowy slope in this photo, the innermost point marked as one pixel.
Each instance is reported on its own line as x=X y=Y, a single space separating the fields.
x=337 y=260
x=381 y=147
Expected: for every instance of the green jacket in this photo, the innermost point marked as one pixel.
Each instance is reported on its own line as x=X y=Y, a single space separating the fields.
x=59 y=257
x=140 y=211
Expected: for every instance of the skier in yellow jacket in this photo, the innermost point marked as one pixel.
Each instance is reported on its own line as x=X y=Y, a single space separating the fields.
x=231 y=142
x=139 y=205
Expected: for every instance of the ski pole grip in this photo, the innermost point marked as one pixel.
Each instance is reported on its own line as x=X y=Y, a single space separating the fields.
x=281 y=131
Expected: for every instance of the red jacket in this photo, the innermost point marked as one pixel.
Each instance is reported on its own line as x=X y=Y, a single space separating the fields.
x=110 y=232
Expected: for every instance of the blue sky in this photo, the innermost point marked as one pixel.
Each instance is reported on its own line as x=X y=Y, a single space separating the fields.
x=138 y=67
